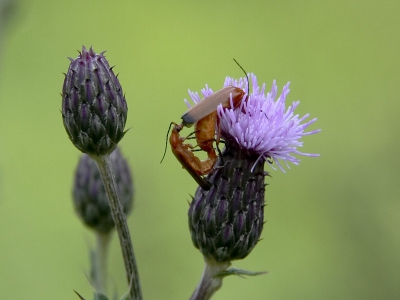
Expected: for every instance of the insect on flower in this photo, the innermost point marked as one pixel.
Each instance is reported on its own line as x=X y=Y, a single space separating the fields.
x=209 y=105
x=183 y=153
x=227 y=220
x=204 y=114
x=207 y=130
x=205 y=119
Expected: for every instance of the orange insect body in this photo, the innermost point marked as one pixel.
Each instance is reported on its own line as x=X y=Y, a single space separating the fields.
x=204 y=116
x=206 y=126
x=209 y=105
x=205 y=133
x=188 y=160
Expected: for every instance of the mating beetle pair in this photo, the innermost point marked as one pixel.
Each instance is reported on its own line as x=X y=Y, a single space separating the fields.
x=204 y=117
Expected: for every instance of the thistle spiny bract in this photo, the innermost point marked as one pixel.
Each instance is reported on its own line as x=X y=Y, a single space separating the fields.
x=226 y=221
x=89 y=195
x=94 y=108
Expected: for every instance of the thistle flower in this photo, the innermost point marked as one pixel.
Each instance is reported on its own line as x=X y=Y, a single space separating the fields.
x=94 y=109
x=226 y=221
x=89 y=195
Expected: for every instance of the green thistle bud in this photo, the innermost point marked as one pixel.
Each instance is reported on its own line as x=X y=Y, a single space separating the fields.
x=226 y=221
x=90 y=198
x=94 y=108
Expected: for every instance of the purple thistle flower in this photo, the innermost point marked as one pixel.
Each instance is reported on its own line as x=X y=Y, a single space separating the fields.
x=262 y=125
x=226 y=221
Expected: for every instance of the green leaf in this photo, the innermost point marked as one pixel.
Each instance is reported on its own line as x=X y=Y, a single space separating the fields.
x=238 y=272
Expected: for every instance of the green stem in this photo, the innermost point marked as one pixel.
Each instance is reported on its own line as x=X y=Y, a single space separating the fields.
x=104 y=164
x=210 y=283
x=100 y=267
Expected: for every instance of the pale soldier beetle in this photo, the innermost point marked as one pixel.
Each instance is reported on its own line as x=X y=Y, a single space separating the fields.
x=209 y=105
x=206 y=126
x=204 y=115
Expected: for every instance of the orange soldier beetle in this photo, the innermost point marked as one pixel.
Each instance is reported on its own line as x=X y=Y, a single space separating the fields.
x=204 y=116
x=209 y=105
x=188 y=160
x=205 y=127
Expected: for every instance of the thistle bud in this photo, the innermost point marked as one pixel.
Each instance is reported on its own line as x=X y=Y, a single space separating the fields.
x=89 y=195
x=94 y=109
x=226 y=221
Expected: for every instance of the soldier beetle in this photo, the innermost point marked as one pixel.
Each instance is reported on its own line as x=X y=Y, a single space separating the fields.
x=205 y=119
x=209 y=105
x=188 y=160
x=205 y=127
x=204 y=131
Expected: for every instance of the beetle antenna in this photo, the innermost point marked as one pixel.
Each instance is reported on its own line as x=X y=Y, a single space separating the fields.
x=166 y=142
x=247 y=77
x=220 y=153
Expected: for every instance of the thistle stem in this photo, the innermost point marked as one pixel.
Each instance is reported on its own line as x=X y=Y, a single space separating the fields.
x=210 y=283
x=100 y=267
x=104 y=164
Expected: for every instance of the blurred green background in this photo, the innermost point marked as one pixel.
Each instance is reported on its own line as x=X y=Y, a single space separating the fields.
x=333 y=223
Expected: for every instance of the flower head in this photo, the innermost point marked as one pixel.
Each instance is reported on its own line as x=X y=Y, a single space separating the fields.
x=226 y=221
x=263 y=125
x=94 y=109
x=89 y=195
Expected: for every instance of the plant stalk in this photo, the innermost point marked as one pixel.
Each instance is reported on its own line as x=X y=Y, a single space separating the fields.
x=100 y=267
x=210 y=283
x=104 y=164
